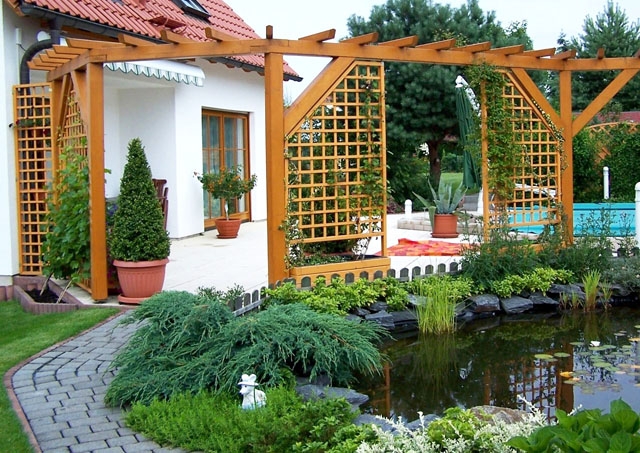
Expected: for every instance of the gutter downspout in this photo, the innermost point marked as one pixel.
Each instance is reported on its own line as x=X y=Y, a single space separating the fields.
x=36 y=48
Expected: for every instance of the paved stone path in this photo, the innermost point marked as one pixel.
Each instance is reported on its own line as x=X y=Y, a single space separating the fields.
x=62 y=396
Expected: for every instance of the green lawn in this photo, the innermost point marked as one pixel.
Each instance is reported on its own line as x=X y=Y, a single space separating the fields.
x=23 y=335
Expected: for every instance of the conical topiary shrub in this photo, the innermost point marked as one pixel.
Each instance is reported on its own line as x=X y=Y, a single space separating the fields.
x=138 y=233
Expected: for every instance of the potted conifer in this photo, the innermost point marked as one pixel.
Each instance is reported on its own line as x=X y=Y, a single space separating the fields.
x=227 y=184
x=138 y=242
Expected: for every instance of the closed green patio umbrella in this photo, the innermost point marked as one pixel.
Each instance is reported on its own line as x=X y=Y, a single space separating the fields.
x=465 y=113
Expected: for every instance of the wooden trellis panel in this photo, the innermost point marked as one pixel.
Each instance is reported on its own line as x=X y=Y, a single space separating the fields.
x=537 y=179
x=73 y=136
x=37 y=161
x=34 y=167
x=605 y=129
x=336 y=162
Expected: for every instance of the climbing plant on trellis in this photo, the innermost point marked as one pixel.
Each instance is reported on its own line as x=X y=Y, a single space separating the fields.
x=336 y=168
x=37 y=161
x=525 y=192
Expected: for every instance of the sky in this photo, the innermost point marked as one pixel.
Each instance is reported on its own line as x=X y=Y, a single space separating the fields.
x=292 y=19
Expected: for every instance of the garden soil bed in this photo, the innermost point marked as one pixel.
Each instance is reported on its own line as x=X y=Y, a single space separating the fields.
x=26 y=290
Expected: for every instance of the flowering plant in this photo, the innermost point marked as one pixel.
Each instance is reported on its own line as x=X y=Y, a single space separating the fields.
x=227 y=183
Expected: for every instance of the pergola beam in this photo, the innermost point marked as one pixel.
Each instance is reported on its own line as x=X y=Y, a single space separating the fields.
x=433 y=53
x=321 y=36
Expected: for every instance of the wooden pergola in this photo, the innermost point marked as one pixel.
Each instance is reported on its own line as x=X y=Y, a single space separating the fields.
x=79 y=67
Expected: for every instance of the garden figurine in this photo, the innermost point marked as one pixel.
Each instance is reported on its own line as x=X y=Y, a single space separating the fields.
x=251 y=397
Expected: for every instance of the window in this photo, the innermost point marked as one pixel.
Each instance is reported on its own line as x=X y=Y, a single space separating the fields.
x=193 y=8
x=225 y=142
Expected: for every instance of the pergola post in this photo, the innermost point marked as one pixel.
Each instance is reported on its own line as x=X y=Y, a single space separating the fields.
x=95 y=144
x=276 y=166
x=566 y=114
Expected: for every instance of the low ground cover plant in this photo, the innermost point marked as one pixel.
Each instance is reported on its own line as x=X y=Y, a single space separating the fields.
x=539 y=279
x=459 y=431
x=189 y=343
x=285 y=424
x=339 y=298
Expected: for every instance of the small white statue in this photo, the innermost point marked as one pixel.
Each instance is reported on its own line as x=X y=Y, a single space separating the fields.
x=252 y=397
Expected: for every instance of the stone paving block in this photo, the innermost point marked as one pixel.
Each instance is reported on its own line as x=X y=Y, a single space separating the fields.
x=87 y=421
x=51 y=435
x=36 y=407
x=140 y=447
x=86 y=394
x=97 y=427
x=49 y=385
x=87 y=447
x=43 y=378
x=109 y=450
x=76 y=431
x=35 y=398
x=72 y=406
x=57 y=443
x=71 y=415
x=122 y=440
x=40 y=429
x=58 y=390
x=88 y=384
x=100 y=435
x=104 y=411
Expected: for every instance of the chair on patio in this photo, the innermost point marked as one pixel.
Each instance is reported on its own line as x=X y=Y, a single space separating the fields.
x=163 y=197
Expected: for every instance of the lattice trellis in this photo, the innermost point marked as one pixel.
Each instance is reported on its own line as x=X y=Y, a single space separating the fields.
x=337 y=164
x=536 y=178
x=34 y=167
x=36 y=163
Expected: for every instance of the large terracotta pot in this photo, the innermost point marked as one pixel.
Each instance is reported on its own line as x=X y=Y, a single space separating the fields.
x=445 y=226
x=228 y=229
x=139 y=280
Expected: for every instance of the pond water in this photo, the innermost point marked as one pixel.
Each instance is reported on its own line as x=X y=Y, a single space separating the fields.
x=553 y=361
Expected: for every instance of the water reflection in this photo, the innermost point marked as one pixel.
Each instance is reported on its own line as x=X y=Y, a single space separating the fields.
x=547 y=359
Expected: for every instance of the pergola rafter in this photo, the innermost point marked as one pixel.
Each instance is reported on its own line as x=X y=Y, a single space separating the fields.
x=81 y=64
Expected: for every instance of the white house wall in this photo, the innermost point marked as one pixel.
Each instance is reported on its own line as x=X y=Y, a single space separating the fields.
x=167 y=117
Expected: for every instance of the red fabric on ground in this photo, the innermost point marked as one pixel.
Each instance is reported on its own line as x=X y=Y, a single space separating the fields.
x=408 y=247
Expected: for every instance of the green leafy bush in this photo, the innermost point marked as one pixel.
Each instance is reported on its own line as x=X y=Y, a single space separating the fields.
x=623 y=161
x=586 y=430
x=285 y=424
x=501 y=255
x=339 y=298
x=540 y=279
x=66 y=249
x=188 y=343
x=624 y=272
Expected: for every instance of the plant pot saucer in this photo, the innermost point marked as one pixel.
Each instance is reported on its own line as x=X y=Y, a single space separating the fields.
x=130 y=300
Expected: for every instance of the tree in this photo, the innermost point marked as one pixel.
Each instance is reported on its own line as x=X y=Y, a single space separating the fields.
x=611 y=31
x=420 y=99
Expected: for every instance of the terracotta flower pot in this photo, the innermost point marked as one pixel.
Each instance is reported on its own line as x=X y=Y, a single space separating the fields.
x=228 y=229
x=445 y=226
x=139 y=280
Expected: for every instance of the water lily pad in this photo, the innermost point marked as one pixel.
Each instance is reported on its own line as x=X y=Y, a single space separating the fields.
x=561 y=354
x=576 y=343
x=543 y=356
x=634 y=339
x=571 y=382
x=566 y=373
x=600 y=364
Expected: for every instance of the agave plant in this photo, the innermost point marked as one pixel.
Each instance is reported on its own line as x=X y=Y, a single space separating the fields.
x=445 y=200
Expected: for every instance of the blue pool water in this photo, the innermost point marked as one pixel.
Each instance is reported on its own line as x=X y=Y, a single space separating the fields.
x=620 y=216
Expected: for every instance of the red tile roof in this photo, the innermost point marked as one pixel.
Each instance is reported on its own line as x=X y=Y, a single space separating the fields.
x=149 y=17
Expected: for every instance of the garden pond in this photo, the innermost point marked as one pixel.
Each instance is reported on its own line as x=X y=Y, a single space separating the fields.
x=553 y=361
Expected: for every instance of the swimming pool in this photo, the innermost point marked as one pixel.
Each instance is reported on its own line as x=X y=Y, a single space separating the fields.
x=620 y=216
